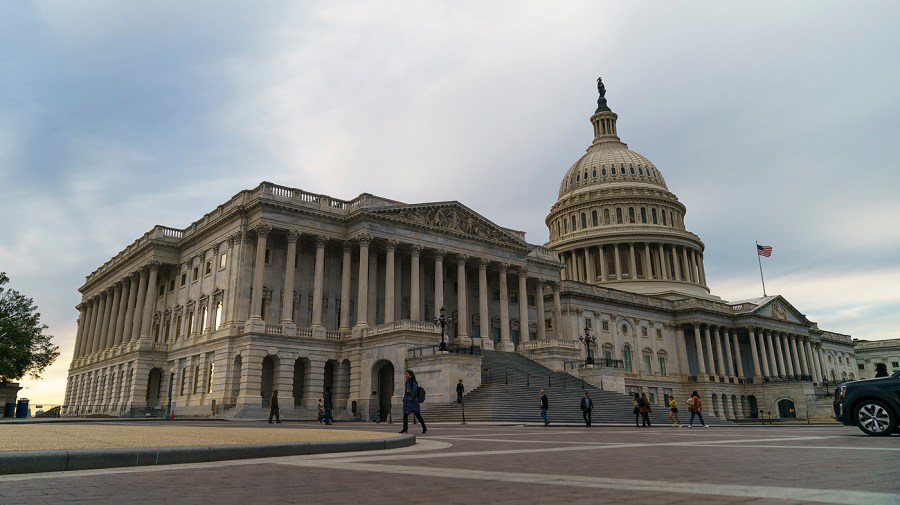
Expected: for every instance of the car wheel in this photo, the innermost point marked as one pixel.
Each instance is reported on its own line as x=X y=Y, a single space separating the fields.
x=874 y=418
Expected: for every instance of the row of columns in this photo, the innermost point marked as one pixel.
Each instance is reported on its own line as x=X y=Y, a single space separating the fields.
x=390 y=287
x=658 y=261
x=773 y=353
x=120 y=313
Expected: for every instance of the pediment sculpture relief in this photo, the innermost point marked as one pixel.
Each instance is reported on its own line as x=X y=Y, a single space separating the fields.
x=778 y=311
x=450 y=218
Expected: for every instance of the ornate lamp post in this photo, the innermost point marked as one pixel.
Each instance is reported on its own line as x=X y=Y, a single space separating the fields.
x=588 y=341
x=443 y=321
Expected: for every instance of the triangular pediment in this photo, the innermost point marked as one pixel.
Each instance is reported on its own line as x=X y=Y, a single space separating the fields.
x=776 y=307
x=450 y=217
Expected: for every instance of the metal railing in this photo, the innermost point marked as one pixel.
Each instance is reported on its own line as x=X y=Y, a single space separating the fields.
x=434 y=349
x=575 y=364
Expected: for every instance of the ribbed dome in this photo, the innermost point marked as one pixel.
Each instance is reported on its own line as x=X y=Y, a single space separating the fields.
x=610 y=162
x=616 y=223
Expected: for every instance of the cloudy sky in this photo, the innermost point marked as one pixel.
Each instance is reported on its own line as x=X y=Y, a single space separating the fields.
x=772 y=121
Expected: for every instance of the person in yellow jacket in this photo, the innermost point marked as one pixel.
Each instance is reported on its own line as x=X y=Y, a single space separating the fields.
x=673 y=412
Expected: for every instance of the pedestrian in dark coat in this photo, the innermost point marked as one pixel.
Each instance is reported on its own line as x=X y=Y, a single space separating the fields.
x=460 y=389
x=636 y=409
x=328 y=406
x=545 y=406
x=587 y=405
x=273 y=408
x=411 y=402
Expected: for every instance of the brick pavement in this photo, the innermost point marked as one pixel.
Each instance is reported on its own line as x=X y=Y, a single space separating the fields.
x=520 y=464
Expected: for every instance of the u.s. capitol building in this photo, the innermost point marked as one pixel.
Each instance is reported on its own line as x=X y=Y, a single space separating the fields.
x=282 y=289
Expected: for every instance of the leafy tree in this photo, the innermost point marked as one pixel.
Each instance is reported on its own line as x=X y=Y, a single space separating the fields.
x=24 y=348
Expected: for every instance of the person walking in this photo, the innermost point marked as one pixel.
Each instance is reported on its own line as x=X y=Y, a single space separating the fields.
x=328 y=406
x=696 y=409
x=587 y=405
x=411 y=402
x=320 y=412
x=273 y=408
x=645 y=411
x=545 y=406
x=673 y=412
x=636 y=410
x=460 y=389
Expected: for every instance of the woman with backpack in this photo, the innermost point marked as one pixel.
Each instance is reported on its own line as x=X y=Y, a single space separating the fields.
x=696 y=408
x=411 y=401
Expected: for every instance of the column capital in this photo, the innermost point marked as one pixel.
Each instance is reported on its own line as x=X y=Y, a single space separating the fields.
x=461 y=259
x=504 y=267
x=293 y=235
x=262 y=230
x=523 y=271
x=153 y=265
x=321 y=240
x=347 y=245
x=391 y=245
x=364 y=239
x=483 y=263
x=415 y=249
x=439 y=254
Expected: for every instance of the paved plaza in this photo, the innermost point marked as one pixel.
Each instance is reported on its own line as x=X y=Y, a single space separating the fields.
x=493 y=464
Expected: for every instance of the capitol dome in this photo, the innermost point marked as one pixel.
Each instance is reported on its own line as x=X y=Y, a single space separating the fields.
x=616 y=224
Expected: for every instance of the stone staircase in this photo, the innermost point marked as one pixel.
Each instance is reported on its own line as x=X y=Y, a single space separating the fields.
x=509 y=393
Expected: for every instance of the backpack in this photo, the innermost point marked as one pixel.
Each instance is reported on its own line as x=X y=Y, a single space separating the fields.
x=421 y=394
x=690 y=403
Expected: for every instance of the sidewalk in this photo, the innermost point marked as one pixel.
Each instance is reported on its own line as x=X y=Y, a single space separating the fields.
x=53 y=447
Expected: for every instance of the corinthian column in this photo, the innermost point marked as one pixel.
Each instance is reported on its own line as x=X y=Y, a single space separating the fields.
x=345 y=287
x=287 y=292
x=539 y=308
x=149 y=301
x=389 y=291
x=318 y=283
x=415 y=301
x=484 y=319
x=524 y=334
x=362 y=294
x=262 y=233
x=462 y=308
x=505 y=342
x=438 y=280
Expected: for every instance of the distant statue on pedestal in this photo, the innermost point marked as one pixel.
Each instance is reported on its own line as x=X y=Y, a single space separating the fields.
x=601 y=102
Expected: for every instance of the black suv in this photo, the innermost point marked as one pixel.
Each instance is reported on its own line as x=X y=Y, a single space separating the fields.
x=872 y=405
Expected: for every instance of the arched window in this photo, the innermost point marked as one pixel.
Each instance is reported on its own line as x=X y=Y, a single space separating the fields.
x=648 y=361
x=631 y=215
x=631 y=168
x=593 y=218
x=614 y=170
x=578 y=177
x=606 y=216
x=594 y=173
x=607 y=354
x=565 y=226
x=583 y=220
x=626 y=357
x=653 y=215
x=664 y=218
x=573 y=223
x=644 y=215
x=618 y=215
x=603 y=171
x=661 y=355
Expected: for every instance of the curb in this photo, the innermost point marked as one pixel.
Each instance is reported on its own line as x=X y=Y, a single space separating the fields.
x=18 y=462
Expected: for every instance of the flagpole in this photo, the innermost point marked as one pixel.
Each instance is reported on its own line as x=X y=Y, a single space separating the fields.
x=760 y=269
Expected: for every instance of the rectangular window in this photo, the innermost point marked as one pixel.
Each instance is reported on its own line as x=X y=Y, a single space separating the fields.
x=195 y=274
x=268 y=257
x=861 y=366
x=531 y=300
x=605 y=326
x=513 y=297
x=172 y=285
x=588 y=323
x=647 y=369
x=895 y=364
x=662 y=365
x=495 y=295
x=643 y=331
x=659 y=334
x=208 y=267
x=223 y=260
x=548 y=324
x=178 y=327
x=183 y=278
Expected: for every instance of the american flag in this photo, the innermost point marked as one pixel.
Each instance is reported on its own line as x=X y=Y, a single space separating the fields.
x=764 y=250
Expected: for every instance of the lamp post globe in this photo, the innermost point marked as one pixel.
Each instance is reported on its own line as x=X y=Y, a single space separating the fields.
x=443 y=321
x=588 y=341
